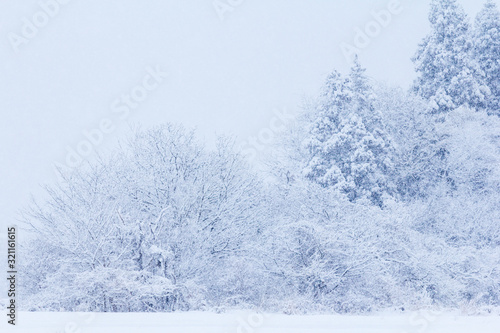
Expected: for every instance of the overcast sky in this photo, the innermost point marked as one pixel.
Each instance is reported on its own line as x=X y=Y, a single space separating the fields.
x=228 y=69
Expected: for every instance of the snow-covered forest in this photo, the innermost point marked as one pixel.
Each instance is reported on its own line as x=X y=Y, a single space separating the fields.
x=376 y=198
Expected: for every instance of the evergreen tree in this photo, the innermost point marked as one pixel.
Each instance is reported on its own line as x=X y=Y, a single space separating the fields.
x=449 y=76
x=487 y=51
x=348 y=147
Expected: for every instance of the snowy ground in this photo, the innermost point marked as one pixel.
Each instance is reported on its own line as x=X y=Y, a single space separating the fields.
x=241 y=322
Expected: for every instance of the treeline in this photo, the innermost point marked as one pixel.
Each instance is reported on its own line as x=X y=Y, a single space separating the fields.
x=377 y=198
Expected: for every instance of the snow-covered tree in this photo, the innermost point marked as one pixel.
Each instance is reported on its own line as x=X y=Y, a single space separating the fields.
x=473 y=143
x=419 y=158
x=325 y=253
x=150 y=229
x=448 y=75
x=349 y=149
x=487 y=51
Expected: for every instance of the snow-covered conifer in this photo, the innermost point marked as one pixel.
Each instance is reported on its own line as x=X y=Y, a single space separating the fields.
x=448 y=75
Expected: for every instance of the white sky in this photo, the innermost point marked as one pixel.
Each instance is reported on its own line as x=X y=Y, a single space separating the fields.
x=225 y=76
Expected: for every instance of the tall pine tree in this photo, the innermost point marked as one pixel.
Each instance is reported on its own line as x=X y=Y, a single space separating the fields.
x=449 y=76
x=349 y=150
x=487 y=51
